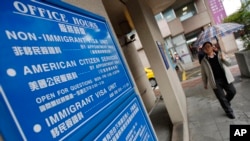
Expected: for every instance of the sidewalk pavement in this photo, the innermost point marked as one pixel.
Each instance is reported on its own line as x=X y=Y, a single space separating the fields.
x=207 y=120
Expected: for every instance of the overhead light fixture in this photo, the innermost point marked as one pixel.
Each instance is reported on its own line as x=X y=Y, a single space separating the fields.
x=184 y=8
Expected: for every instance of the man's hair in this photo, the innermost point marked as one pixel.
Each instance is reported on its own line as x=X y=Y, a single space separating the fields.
x=206 y=43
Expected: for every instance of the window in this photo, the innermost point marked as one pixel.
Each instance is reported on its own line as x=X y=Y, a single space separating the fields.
x=169 y=15
x=158 y=17
x=186 y=12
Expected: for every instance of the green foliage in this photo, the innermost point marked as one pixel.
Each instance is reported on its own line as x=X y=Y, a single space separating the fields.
x=242 y=16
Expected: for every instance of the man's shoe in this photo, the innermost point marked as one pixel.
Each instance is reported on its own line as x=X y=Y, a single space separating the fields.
x=231 y=115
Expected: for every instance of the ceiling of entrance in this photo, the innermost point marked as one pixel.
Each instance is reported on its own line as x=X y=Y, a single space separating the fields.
x=116 y=9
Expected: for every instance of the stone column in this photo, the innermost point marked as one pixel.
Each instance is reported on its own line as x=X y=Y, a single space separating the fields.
x=169 y=84
x=140 y=78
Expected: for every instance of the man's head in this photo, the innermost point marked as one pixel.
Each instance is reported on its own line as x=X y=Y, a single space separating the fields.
x=207 y=47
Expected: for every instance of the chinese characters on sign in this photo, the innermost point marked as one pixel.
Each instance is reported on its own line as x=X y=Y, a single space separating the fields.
x=128 y=125
x=217 y=9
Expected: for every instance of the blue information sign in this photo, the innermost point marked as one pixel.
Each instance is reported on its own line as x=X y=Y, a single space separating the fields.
x=128 y=123
x=59 y=69
x=163 y=54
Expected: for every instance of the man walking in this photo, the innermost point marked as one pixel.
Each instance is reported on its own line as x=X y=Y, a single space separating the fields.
x=215 y=73
x=178 y=60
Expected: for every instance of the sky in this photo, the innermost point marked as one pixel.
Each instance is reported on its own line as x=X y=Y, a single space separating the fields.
x=231 y=6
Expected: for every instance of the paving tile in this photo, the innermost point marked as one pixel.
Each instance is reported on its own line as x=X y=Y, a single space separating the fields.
x=205 y=133
x=224 y=128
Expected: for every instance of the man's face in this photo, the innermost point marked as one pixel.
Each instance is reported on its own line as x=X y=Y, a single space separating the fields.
x=208 y=48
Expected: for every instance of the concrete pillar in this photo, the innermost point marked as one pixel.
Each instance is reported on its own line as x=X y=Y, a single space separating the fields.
x=140 y=78
x=229 y=43
x=169 y=84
